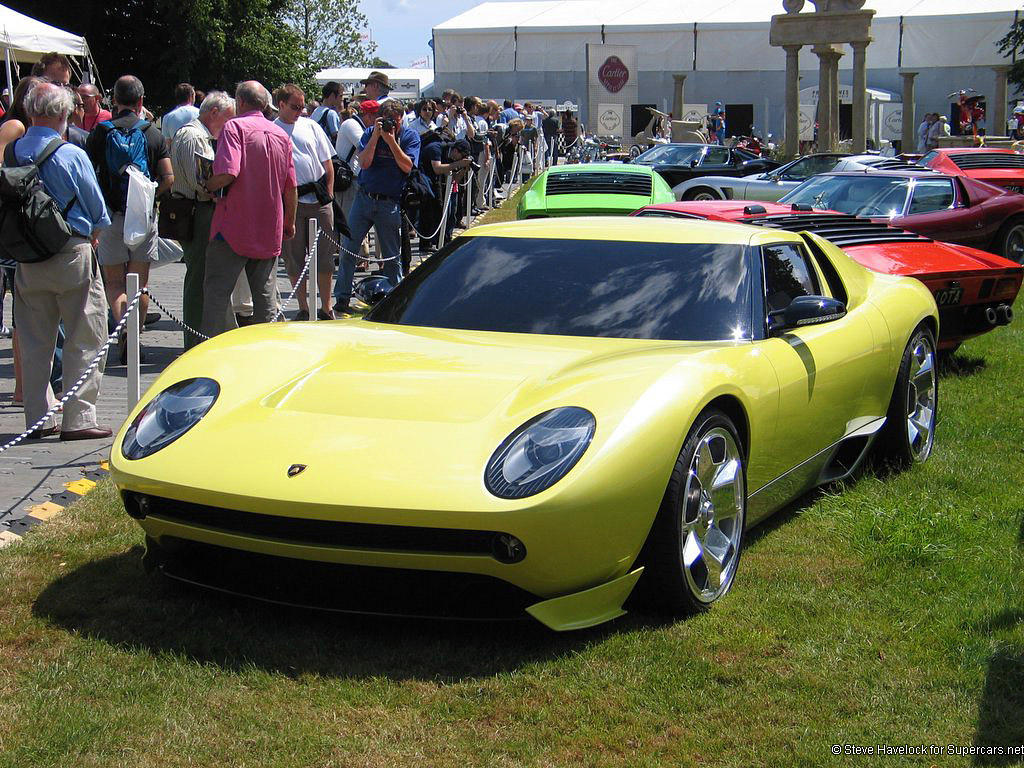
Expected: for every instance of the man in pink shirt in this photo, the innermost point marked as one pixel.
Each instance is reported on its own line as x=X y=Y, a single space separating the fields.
x=254 y=174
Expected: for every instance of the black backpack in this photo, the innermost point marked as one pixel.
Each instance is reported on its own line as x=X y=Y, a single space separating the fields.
x=32 y=226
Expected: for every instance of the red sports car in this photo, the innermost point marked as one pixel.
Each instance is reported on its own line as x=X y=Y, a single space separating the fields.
x=956 y=209
x=1002 y=167
x=974 y=290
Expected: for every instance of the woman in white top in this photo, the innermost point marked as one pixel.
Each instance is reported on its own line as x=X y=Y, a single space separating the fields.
x=424 y=120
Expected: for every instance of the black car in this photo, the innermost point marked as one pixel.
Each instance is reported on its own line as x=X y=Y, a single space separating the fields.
x=679 y=162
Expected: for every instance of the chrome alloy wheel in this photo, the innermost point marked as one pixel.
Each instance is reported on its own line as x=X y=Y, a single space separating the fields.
x=705 y=196
x=921 y=393
x=1013 y=248
x=712 y=515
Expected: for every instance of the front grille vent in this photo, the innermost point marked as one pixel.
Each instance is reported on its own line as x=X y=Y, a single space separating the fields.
x=599 y=183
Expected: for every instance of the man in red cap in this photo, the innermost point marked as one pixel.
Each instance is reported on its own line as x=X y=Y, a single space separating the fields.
x=347 y=147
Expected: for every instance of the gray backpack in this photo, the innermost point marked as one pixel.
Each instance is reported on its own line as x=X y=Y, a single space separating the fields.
x=32 y=226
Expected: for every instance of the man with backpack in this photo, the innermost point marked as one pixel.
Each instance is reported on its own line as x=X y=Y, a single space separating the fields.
x=114 y=145
x=326 y=115
x=65 y=286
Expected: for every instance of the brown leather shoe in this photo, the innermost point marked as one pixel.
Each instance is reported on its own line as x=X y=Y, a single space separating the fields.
x=41 y=433
x=91 y=433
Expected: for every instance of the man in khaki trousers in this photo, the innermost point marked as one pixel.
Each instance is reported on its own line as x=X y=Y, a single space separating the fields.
x=67 y=286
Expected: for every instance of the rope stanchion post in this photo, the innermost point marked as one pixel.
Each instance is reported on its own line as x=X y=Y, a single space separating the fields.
x=443 y=229
x=133 y=374
x=468 y=221
x=312 y=232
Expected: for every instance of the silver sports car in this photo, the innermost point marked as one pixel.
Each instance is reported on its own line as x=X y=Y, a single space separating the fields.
x=770 y=185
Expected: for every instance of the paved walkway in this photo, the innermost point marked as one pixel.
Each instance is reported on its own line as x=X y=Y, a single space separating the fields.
x=33 y=471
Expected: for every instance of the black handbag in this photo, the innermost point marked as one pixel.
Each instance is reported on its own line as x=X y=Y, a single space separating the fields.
x=177 y=219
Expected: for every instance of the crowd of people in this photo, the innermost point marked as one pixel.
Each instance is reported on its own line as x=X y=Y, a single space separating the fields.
x=237 y=177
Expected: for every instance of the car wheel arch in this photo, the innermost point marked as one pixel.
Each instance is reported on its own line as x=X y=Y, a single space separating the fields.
x=732 y=407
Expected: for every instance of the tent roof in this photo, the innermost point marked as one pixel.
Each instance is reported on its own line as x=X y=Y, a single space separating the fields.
x=567 y=14
x=29 y=38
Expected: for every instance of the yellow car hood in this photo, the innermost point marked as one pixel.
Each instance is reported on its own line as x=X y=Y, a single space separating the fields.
x=391 y=417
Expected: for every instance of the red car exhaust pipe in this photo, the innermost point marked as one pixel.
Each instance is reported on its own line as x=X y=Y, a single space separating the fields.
x=1005 y=314
x=990 y=316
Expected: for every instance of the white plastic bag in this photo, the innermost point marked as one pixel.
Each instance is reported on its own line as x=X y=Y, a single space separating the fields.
x=138 y=214
x=167 y=252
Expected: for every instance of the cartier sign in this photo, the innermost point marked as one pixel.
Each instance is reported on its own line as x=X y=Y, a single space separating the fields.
x=613 y=74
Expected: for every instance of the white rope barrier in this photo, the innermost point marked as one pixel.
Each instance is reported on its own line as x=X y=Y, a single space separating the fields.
x=174 y=318
x=114 y=336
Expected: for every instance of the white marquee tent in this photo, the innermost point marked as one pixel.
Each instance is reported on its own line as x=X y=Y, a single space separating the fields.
x=537 y=49
x=548 y=34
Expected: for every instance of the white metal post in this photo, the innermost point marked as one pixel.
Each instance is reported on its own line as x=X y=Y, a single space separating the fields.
x=133 y=373
x=469 y=199
x=444 y=215
x=312 y=234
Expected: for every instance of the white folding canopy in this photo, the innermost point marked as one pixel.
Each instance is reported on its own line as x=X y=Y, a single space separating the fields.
x=26 y=39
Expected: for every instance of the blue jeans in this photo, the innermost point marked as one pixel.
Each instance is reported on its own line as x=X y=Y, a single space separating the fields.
x=385 y=216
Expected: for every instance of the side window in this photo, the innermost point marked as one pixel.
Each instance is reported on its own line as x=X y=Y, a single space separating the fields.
x=931 y=195
x=787 y=274
x=927 y=159
x=717 y=156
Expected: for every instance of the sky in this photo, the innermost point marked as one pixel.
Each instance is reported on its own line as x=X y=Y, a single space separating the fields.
x=401 y=28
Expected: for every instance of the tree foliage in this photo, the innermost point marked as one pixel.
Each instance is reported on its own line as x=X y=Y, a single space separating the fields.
x=1012 y=47
x=209 y=43
x=330 y=31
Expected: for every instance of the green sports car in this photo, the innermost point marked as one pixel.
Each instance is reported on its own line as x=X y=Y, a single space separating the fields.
x=593 y=189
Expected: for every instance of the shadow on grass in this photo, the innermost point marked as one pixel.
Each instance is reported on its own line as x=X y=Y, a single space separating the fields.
x=960 y=365
x=1001 y=710
x=113 y=600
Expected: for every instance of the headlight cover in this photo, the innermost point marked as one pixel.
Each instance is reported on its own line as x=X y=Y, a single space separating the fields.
x=539 y=453
x=168 y=416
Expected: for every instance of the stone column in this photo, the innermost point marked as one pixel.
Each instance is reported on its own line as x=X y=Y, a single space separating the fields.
x=997 y=126
x=860 y=96
x=828 y=97
x=677 y=98
x=793 y=100
x=909 y=118
x=825 y=91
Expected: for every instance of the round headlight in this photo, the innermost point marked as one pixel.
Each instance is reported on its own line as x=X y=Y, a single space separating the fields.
x=168 y=416
x=539 y=453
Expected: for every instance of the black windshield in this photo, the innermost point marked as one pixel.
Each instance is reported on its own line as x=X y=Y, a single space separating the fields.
x=698 y=292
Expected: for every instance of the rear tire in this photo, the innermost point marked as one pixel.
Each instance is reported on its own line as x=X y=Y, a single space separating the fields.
x=693 y=548
x=909 y=432
x=699 y=194
x=1010 y=241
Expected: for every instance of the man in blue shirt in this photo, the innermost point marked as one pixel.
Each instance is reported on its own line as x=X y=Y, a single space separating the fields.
x=509 y=113
x=67 y=286
x=388 y=151
x=183 y=114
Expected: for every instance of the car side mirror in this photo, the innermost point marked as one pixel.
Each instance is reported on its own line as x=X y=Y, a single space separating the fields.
x=806 y=310
x=694 y=163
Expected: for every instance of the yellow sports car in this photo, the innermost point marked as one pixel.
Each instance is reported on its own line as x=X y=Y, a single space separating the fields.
x=548 y=415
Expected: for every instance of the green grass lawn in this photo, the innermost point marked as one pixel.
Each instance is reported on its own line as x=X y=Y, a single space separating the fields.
x=887 y=612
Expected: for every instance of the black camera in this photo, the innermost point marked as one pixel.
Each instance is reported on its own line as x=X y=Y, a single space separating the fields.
x=475 y=166
x=387 y=124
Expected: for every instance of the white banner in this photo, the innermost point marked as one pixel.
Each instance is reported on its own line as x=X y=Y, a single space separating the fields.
x=807 y=112
x=609 y=120
x=694 y=113
x=892 y=123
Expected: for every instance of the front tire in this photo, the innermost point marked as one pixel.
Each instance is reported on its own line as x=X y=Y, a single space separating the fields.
x=699 y=194
x=909 y=432
x=694 y=546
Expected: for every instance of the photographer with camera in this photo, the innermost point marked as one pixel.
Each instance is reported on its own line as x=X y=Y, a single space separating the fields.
x=455 y=121
x=437 y=160
x=388 y=152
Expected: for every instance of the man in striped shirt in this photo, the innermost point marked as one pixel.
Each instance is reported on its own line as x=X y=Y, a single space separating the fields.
x=192 y=153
